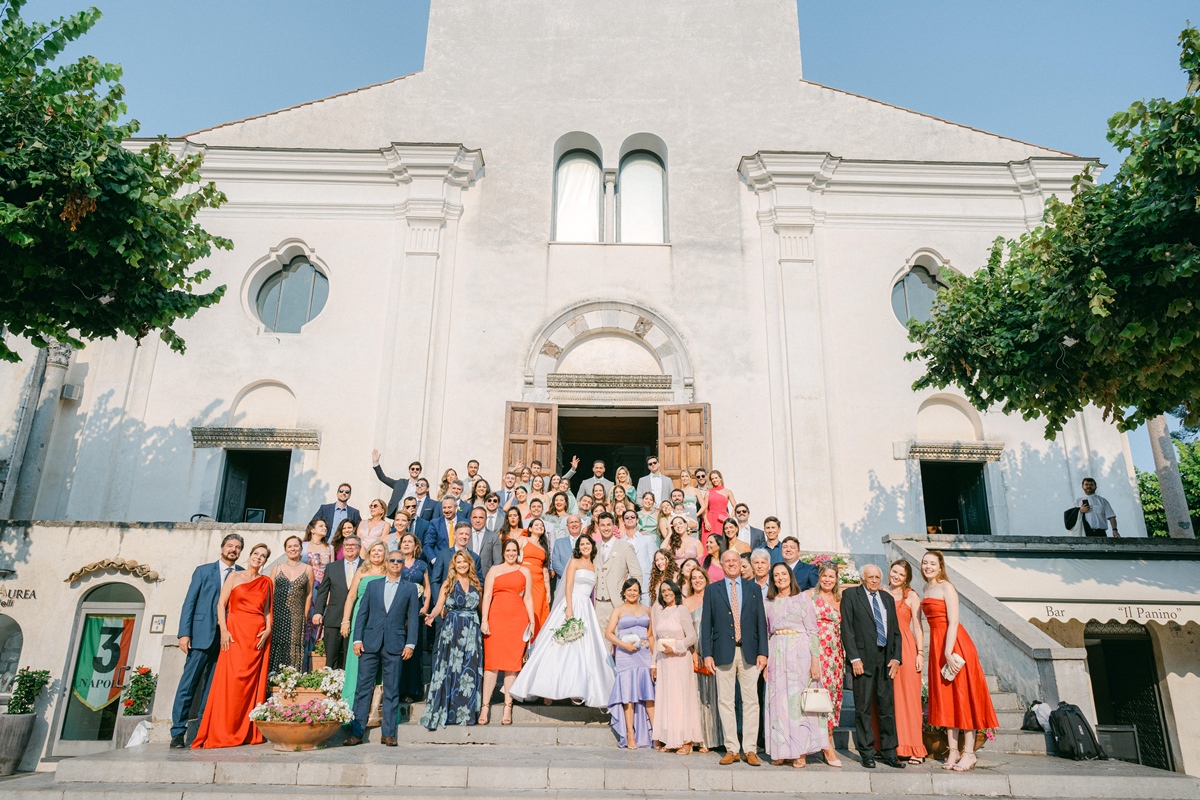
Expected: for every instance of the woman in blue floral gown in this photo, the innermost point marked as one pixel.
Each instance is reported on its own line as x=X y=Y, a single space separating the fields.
x=455 y=695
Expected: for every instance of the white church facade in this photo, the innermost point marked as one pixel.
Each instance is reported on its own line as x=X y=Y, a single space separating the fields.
x=635 y=226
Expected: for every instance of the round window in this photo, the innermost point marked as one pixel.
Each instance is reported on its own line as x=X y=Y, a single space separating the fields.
x=292 y=297
x=914 y=294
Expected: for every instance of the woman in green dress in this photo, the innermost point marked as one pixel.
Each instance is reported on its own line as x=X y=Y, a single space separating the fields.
x=372 y=567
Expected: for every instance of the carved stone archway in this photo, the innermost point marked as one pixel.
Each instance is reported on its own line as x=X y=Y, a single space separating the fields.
x=671 y=381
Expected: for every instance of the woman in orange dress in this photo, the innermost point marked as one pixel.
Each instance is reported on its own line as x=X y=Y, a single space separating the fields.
x=506 y=615
x=239 y=681
x=535 y=556
x=907 y=683
x=963 y=702
x=716 y=510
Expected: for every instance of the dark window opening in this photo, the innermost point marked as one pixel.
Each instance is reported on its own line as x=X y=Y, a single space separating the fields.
x=255 y=486
x=1129 y=709
x=955 y=498
x=616 y=440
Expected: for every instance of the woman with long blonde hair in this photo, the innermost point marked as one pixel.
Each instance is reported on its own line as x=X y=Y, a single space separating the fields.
x=448 y=477
x=827 y=600
x=455 y=684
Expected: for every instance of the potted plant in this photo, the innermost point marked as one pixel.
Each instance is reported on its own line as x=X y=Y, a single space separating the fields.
x=16 y=724
x=318 y=656
x=300 y=727
x=292 y=687
x=135 y=708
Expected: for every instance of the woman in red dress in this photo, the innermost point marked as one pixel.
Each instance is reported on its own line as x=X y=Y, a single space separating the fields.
x=720 y=500
x=506 y=615
x=907 y=683
x=535 y=556
x=963 y=702
x=239 y=680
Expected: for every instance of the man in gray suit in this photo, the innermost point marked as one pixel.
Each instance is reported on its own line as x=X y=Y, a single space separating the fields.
x=564 y=547
x=656 y=483
x=484 y=543
x=585 y=488
x=615 y=562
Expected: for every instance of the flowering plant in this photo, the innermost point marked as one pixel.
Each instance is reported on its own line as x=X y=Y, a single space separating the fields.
x=288 y=680
x=140 y=691
x=26 y=687
x=314 y=712
x=569 y=631
x=817 y=558
x=319 y=648
x=849 y=575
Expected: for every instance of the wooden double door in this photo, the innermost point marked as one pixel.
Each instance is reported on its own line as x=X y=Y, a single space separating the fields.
x=684 y=439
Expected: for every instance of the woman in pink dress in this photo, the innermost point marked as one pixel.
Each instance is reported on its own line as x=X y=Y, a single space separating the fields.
x=827 y=600
x=720 y=500
x=681 y=543
x=677 y=714
x=793 y=664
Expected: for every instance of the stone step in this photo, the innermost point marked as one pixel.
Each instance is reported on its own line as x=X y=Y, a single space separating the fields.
x=993 y=683
x=532 y=734
x=1007 y=701
x=1010 y=720
x=527 y=714
x=152 y=772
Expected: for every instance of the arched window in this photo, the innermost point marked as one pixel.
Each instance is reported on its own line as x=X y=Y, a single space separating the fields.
x=578 y=198
x=292 y=297
x=11 y=641
x=914 y=294
x=641 y=199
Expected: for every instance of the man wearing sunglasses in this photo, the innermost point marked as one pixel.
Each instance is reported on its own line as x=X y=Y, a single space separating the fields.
x=401 y=488
x=656 y=483
x=333 y=513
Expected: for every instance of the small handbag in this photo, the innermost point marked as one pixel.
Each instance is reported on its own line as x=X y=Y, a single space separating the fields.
x=375 y=715
x=953 y=666
x=816 y=700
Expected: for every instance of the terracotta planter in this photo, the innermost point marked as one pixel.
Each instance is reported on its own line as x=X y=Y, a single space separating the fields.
x=938 y=744
x=301 y=696
x=15 y=731
x=289 y=737
x=124 y=729
x=318 y=662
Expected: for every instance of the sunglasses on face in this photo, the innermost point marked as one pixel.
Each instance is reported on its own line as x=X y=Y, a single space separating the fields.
x=343 y=491
x=395 y=560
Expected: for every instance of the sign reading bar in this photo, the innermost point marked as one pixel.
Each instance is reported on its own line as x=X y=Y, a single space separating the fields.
x=1103 y=612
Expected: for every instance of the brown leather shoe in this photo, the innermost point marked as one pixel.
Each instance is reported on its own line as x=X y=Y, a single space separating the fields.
x=388 y=741
x=751 y=759
x=350 y=741
x=728 y=758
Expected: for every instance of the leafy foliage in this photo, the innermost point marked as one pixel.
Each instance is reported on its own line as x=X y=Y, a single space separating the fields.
x=1152 y=505
x=26 y=687
x=1099 y=305
x=96 y=239
x=139 y=692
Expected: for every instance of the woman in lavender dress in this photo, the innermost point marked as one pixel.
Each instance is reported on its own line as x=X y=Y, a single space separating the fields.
x=792 y=666
x=631 y=704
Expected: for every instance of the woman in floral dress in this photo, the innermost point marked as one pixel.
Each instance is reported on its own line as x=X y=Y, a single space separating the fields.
x=455 y=685
x=827 y=599
x=317 y=554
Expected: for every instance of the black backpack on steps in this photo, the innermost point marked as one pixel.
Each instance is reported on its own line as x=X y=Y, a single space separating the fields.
x=1073 y=736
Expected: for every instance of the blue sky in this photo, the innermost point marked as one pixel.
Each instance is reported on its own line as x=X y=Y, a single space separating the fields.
x=1049 y=72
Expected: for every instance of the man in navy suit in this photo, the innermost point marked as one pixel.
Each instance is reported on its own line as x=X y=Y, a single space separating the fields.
x=806 y=574
x=733 y=643
x=563 y=549
x=401 y=488
x=440 y=531
x=441 y=560
x=334 y=513
x=386 y=628
x=768 y=538
x=426 y=505
x=415 y=524
x=198 y=639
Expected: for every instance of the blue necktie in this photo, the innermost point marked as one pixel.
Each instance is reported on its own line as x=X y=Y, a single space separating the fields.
x=877 y=612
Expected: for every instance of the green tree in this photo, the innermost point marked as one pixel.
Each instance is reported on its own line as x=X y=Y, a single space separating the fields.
x=96 y=238
x=1152 y=505
x=1099 y=305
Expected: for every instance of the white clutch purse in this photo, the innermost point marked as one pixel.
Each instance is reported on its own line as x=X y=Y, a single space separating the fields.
x=816 y=700
x=952 y=666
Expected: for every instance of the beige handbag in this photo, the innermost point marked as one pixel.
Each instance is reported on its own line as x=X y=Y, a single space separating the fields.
x=816 y=700
x=375 y=715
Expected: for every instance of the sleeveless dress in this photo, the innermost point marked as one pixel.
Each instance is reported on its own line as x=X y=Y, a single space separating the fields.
x=287 y=631
x=632 y=682
x=318 y=561
x=718 y=512
x=534 y=558
x=504 y=648
x=456 y=682
x=351 y=673
x=412 y=677
x=676 y=714
x=581 y=670
x=964 y=703
x=907 y=686
x=709 y=701
x=794 y=642
x=648 y=525
x=239 y=681
x=832 y=655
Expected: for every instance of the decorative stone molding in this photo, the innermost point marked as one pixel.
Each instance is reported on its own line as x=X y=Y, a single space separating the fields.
x=434 y=176
x=58 y=354
x=947 y=451
x=128 y=566
x=245 y=438
x=637 y=382
x=626 y=397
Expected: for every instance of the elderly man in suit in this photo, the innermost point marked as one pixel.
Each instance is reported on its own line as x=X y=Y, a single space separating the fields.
x=656 y=483
x=563 y=548
x=401 y=487
x=386 y=628
x=871 y=636
x=585 y=486
x=198 y=636
x=484 y=543
x=333 y=513
x=733 y=643
x=330 y=602
x=615 y=562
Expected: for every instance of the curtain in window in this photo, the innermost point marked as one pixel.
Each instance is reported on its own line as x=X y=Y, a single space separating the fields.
x=640 y=196
x=292 y=297
x=577 y=197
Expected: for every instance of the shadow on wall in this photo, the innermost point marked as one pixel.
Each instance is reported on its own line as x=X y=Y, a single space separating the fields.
x=1036 y=486
x=118 y=468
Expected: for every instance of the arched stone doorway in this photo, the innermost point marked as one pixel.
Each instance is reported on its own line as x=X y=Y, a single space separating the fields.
x=608 y=380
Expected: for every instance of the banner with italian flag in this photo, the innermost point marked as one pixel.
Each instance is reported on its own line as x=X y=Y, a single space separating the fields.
x=103 y=650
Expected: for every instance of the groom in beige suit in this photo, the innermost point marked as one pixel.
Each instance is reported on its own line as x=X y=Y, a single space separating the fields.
x=615 y=563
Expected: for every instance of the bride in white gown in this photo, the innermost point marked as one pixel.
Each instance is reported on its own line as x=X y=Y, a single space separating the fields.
x=581 y=670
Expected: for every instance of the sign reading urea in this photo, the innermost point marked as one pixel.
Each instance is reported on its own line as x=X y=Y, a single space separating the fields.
x=10 y=596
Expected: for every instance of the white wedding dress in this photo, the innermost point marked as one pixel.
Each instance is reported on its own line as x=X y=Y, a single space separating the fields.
x=581 y=670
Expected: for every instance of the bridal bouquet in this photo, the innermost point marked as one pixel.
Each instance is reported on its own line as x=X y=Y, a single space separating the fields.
x=569 y=631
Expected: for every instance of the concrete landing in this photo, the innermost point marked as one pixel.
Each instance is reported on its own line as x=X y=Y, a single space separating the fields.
x=567 y=772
